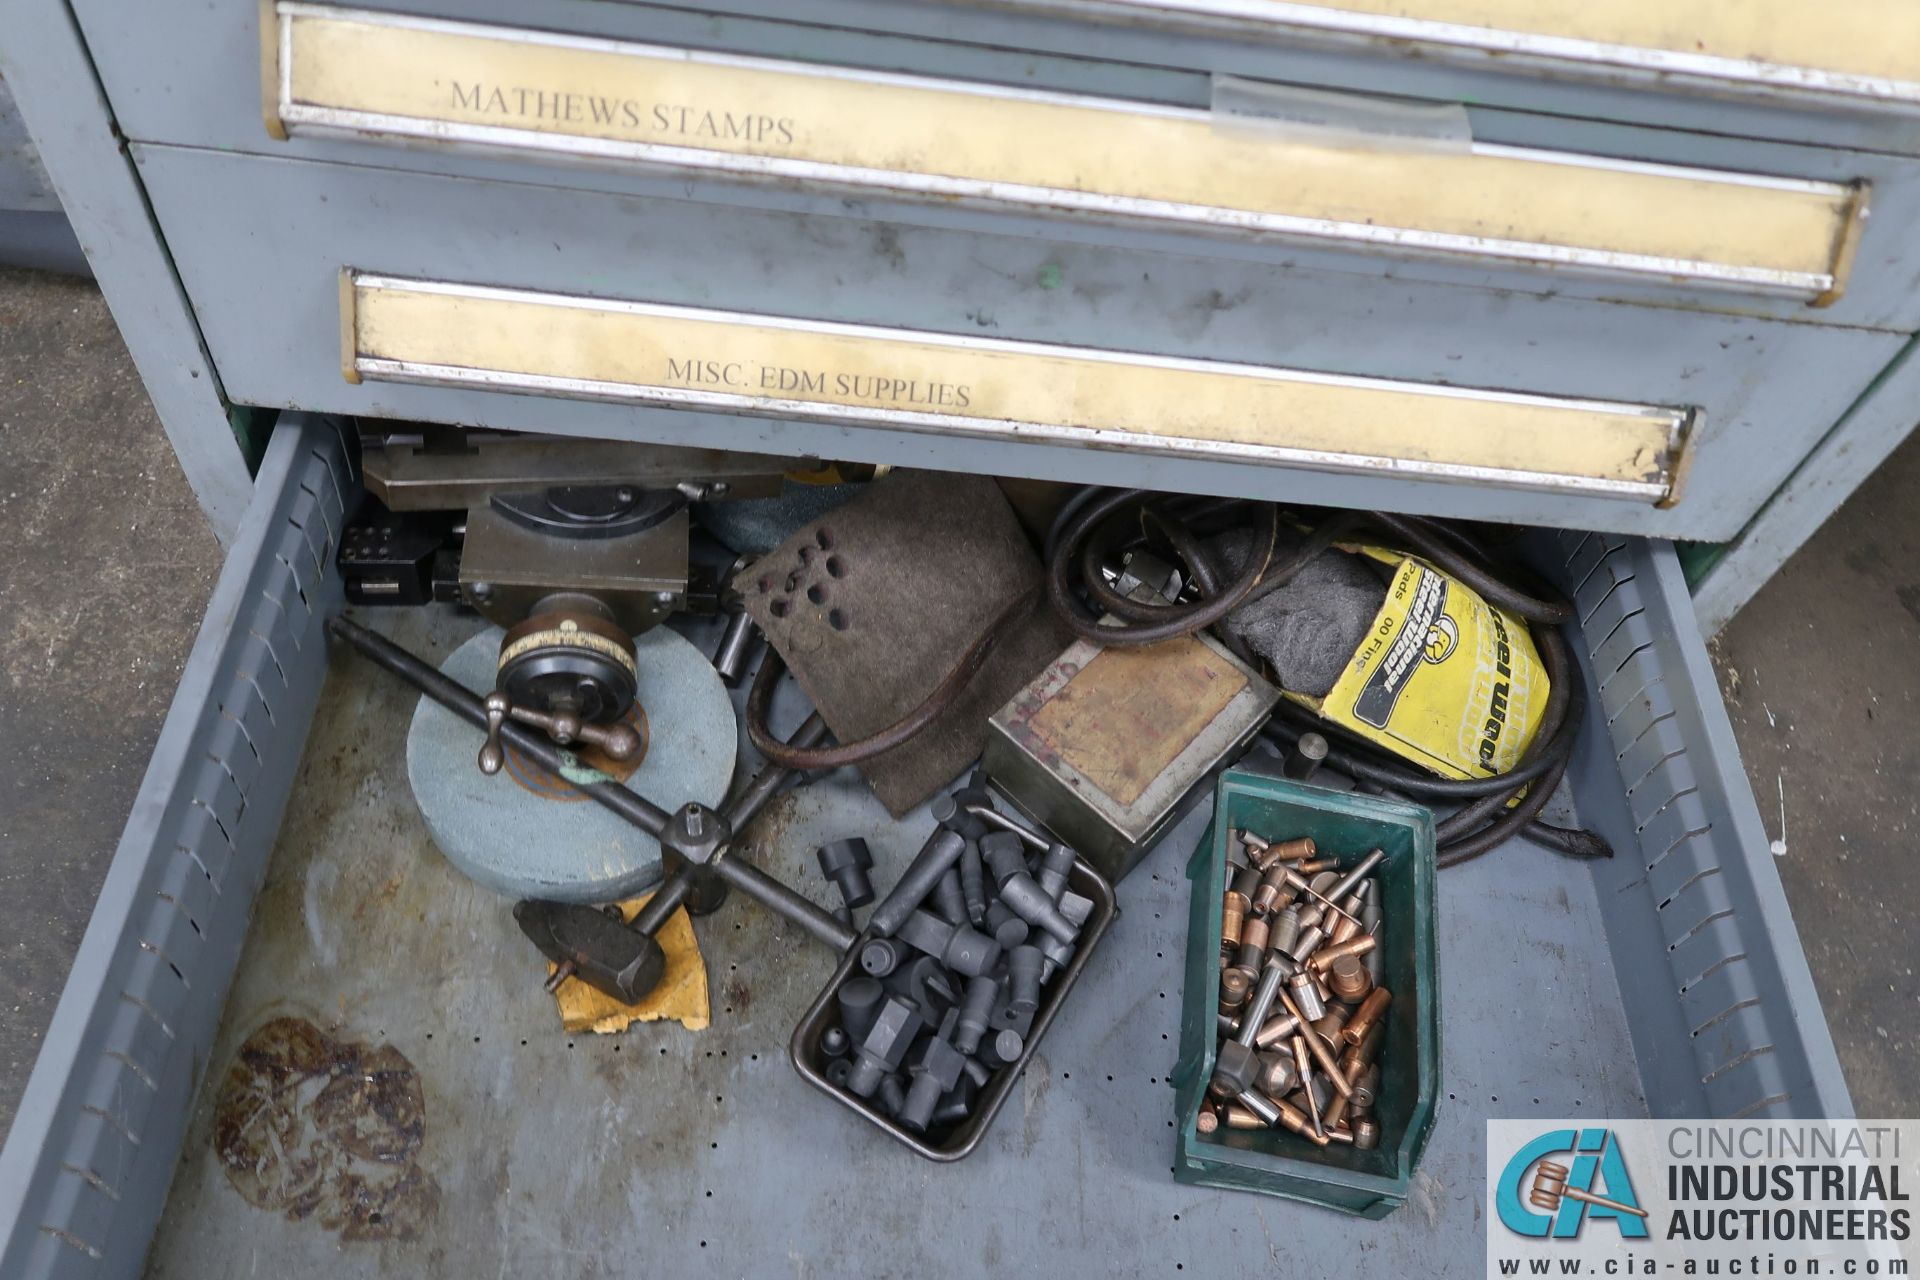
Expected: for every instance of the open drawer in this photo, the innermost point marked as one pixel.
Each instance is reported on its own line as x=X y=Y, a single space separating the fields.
x=274 y=866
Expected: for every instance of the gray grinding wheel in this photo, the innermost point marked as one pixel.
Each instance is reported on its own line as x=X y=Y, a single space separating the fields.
x=522 y=833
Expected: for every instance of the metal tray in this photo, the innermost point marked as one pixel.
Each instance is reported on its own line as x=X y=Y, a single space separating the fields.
x=1668 y=982
x=803 y=1050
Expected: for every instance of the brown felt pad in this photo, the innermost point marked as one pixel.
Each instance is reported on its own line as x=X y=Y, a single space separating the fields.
x=872 y=604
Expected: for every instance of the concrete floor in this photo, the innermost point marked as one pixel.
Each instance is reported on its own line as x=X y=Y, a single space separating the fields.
x=1822 y=682
x=108 y=565
x=105 y=567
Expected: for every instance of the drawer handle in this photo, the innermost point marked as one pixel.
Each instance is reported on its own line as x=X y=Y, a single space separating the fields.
x=516 y=340
x=386 y=76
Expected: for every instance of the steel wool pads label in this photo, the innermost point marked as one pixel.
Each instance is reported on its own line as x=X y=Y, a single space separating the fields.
x=1443 y=678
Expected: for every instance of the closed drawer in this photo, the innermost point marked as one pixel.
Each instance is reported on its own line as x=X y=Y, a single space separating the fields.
x=558 y=96
x=994 y=139
x=346 y=289
x=1766 y=68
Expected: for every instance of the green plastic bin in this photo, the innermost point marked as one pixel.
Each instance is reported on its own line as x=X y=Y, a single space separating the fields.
x=1275 y=1162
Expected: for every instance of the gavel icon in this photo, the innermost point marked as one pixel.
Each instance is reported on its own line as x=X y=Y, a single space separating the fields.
x=1550 y=1186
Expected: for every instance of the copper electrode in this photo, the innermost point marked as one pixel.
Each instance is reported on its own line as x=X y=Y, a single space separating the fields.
x=1233 y=913
x=1285 y=851
x=1358 y=945
x=1367 y=1016
x=1275 y=889
x=1366 y=1088
x=1275 y=1031
x=1356 y=1057
x=1292 y=1119
x=1312 y=1044
x=1346 y=926
x=1348 y=979
x=1234 y=985
x=1249 y=959
x=1277 y=1075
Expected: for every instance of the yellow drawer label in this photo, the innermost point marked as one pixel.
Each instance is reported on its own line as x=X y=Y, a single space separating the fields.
x=556 y=344
x=384 y=75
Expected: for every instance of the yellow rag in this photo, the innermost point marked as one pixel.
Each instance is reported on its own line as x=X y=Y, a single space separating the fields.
x=681 y=995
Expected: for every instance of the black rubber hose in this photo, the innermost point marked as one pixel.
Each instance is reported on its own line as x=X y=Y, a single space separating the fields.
x=1068 y=510
x=1552 y=739
x=1292 y=720
x=1180 y=536
x=1200 y=562
x=1507 y=825
x=1418 y=534
x=1393 y=780
x=1575 y=842
x=1167 y=621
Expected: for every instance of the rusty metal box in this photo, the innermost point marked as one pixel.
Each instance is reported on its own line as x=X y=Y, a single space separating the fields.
x=1107 y=746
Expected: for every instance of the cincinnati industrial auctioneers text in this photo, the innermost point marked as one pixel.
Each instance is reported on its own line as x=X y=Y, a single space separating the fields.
x=1768 y=1183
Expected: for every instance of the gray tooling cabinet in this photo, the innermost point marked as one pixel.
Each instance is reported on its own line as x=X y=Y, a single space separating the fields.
x=1629 y=295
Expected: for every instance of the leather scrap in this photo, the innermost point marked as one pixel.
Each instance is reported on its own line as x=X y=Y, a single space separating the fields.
x=872 y=604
